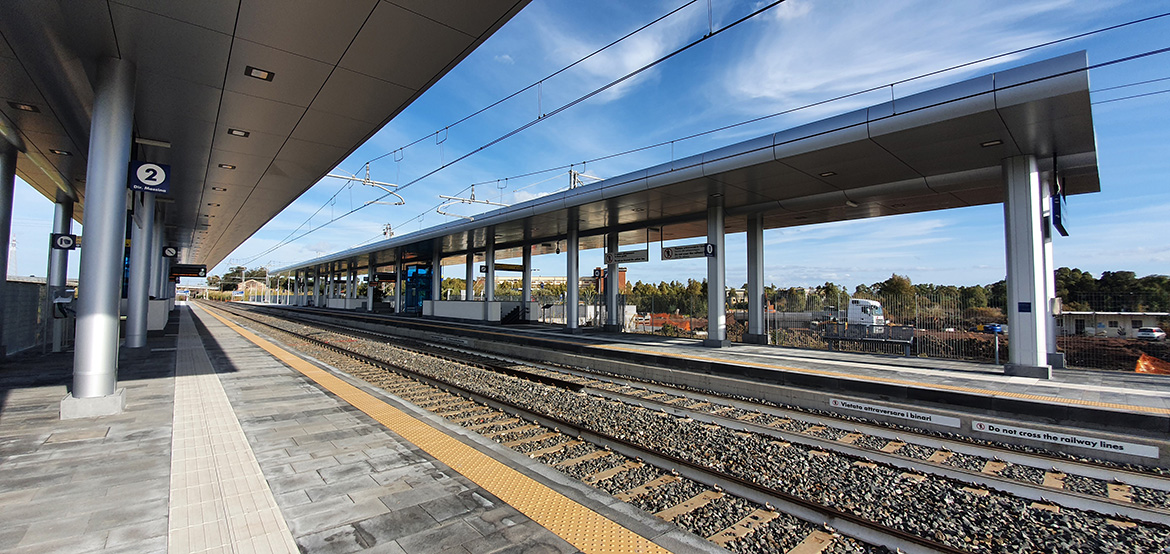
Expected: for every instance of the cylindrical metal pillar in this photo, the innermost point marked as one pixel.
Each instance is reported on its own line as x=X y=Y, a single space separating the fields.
x=755 y=280
x=155 y=284
x=370 y=284
x=58 y=269
x=95 y=360
x=469 y=285
x=399 y=281
x=716 y=289
x=572 y=274
x=137 y=294
x=612 y=318
x=7 y=187
x=437 y=271
x=526 y=280
x=489 y=260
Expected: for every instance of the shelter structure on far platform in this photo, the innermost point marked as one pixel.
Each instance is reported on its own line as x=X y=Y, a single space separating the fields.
x=1022 y=137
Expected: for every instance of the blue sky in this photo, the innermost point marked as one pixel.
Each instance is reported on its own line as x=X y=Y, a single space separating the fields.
x=799 y=53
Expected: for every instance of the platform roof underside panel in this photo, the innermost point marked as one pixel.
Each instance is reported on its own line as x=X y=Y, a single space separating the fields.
x=938 y=149
x=340 y=71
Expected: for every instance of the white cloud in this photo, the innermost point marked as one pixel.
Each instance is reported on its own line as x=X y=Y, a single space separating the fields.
x=568 y=41
x=504 y=59
x=814 y=51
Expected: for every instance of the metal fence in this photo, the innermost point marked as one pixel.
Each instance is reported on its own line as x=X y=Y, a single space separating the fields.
x=25 y=320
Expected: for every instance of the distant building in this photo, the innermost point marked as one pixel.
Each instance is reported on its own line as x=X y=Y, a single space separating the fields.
x=1106 y=324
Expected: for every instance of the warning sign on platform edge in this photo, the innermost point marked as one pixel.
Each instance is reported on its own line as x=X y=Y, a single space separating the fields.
x=686 y=251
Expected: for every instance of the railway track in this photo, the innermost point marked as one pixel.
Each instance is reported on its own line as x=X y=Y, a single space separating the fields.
x=1084 y=484
x=750 y=458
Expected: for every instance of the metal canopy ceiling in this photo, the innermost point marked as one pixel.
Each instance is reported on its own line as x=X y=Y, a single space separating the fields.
x=340 y=71
x=934 y=150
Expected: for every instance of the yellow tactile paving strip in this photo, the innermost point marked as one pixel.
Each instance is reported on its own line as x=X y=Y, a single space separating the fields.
x=581 y=527
x=889 y=380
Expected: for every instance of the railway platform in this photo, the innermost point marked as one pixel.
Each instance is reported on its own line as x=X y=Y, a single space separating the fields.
x=230 y=444
x=946 y=396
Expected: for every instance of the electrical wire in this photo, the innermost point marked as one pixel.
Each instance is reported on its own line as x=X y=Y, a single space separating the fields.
x=752 y=120
x=1143 y=95
x=537 y=84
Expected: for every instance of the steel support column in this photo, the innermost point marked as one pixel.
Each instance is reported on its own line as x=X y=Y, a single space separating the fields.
x=95 y=360
x=1027 y=315
x=58 y=270
x=437 y=270
x=572 y=273
x=138 y=294
x=489 y=260
x=370 y=285
x=399 y=281
x=755 y=280
x=7 y=188
x=716 y=289
x=526 y=281
x=318 y=288
x=612 y=319
x=469 y=285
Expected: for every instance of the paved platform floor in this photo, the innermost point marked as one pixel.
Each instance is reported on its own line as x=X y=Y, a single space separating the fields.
x=224 y=448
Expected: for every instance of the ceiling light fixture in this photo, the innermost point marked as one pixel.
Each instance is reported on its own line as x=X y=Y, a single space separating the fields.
x=24 y=107
x=828 y=174
x=258 y=73
x=219 y=189
x=213 y=204
x=238 y=133
x=152 y=142
x=226 y=166
x=991 y=143
x=60 y=152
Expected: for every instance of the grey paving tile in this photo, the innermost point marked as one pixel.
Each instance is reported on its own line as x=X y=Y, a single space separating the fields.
x=314 y=464
x=447 y=507
x=339 y=540
x=136 y=533
x=438 y=539
x=88 y=542
x=396 y=524
x=523 y=538
x=128 y=513
x=345 y=472
x=55 y=528
x=342 y=488
x=335 y=512
x=147 y=546
x=10 y=535
x=297 y=482
x=417 y=495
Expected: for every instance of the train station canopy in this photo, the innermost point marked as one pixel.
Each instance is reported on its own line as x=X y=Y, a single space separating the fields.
x=934 y=150
x=250 y=102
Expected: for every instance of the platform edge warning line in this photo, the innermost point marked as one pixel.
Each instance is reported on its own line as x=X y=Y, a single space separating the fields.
x=579 y=525
x=903 y=382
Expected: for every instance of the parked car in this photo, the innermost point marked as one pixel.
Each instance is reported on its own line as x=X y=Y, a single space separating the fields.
x=1151 y=333
x=993 y=328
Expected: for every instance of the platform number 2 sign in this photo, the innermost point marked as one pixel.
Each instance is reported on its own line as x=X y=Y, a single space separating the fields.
x=150 y=177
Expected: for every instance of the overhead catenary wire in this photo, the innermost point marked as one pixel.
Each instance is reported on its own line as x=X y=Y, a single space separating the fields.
x=752 y=120
x=538 y=84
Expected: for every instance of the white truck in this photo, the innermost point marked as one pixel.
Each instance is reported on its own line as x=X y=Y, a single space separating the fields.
x=865 y=312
